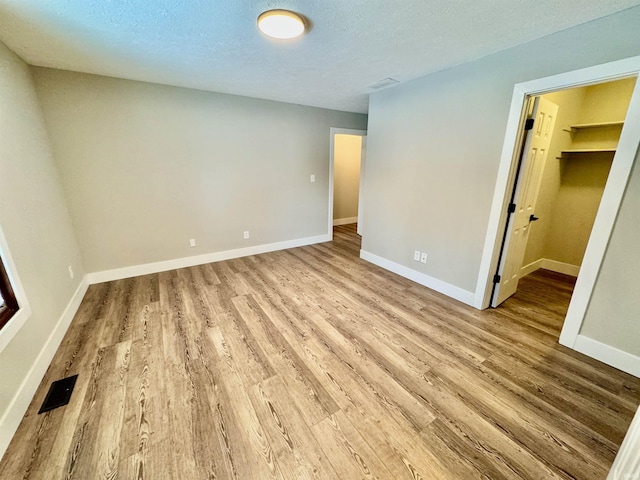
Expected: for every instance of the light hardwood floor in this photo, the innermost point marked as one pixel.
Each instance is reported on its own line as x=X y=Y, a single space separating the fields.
x=311 y=363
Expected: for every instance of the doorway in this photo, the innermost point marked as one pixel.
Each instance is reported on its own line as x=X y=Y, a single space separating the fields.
x=346 y=177
x=566 y=159
x=606 y=217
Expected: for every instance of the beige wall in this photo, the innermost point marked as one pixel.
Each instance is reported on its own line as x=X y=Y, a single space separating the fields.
x=576 y=205
x=147 y=167
x=572 y=187
x=570 y=105
x=346 y=175
x=607 y=102
x=35 y=222
x=435 y=145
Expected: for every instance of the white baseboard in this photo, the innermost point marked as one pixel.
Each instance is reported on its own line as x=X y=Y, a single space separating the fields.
x=532 y=267
x=344 y=221
x=553 y=265
x=607 y=354
x=18 y=406
x=447 y=289
x=560 y=267
x=626 y=466
x=147 y=268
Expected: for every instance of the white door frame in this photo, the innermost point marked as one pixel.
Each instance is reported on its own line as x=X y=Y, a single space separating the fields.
x=333 y=131
x=363 y=167
x=611 y=198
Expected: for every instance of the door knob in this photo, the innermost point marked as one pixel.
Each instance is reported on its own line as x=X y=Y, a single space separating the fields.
x=533 y=218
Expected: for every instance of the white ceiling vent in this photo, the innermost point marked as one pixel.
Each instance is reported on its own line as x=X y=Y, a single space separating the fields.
x=384 y=83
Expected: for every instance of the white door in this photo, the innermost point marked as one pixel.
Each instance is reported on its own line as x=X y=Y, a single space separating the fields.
x=530 y=178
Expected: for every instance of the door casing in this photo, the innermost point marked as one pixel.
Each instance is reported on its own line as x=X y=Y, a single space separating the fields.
x=333 y=131
x=611 y=198
x=363 y=167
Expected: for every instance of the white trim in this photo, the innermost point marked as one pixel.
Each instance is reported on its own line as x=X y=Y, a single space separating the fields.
x=13 y=326
x=333 y=131
x=561 y=267
x=626 y=466
x=20 y=403
x=147 y=268
x=16 y=322
x=498 y=215
x=447 y=289
x=532 y=267
x=611 y=199
x=607 y=354
x=344 y=221
x=604 y=72
x=553 y=265
x=361 y=184
x=605 y=220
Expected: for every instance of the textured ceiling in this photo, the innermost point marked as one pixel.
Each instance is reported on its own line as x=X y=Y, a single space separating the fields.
x=215 y=45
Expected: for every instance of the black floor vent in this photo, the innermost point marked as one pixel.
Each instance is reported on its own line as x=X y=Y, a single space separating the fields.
x=59 y=393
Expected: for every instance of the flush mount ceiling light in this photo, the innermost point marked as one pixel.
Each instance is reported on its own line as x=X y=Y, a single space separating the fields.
x=281 y=24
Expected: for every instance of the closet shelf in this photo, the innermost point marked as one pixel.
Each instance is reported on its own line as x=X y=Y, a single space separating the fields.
x=582 y=126
x=586 y=150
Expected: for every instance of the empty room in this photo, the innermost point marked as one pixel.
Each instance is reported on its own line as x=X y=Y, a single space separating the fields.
x=319 y=240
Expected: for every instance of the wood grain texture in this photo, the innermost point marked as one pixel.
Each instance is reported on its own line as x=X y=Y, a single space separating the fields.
x=313 y=364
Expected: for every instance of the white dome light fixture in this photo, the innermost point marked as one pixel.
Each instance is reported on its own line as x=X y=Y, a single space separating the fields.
x=281 y=24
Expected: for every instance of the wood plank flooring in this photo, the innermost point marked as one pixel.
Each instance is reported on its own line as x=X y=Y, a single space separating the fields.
x=313 y=364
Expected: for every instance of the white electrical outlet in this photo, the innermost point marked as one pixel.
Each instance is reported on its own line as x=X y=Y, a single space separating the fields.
x=312 y=178
x=423 y=258
x=416 y=255
x=192 y=242
x=246 y=234
x=71 y=274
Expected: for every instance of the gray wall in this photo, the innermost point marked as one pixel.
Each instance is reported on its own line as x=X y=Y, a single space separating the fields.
x=35 y=222
x=147 y=167
x=434 y=149
x=613 y=316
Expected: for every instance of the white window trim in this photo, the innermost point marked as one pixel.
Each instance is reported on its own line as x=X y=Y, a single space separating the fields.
x=13 y=326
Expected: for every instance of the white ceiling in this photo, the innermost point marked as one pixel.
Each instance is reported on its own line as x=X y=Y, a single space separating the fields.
x=215 y=45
